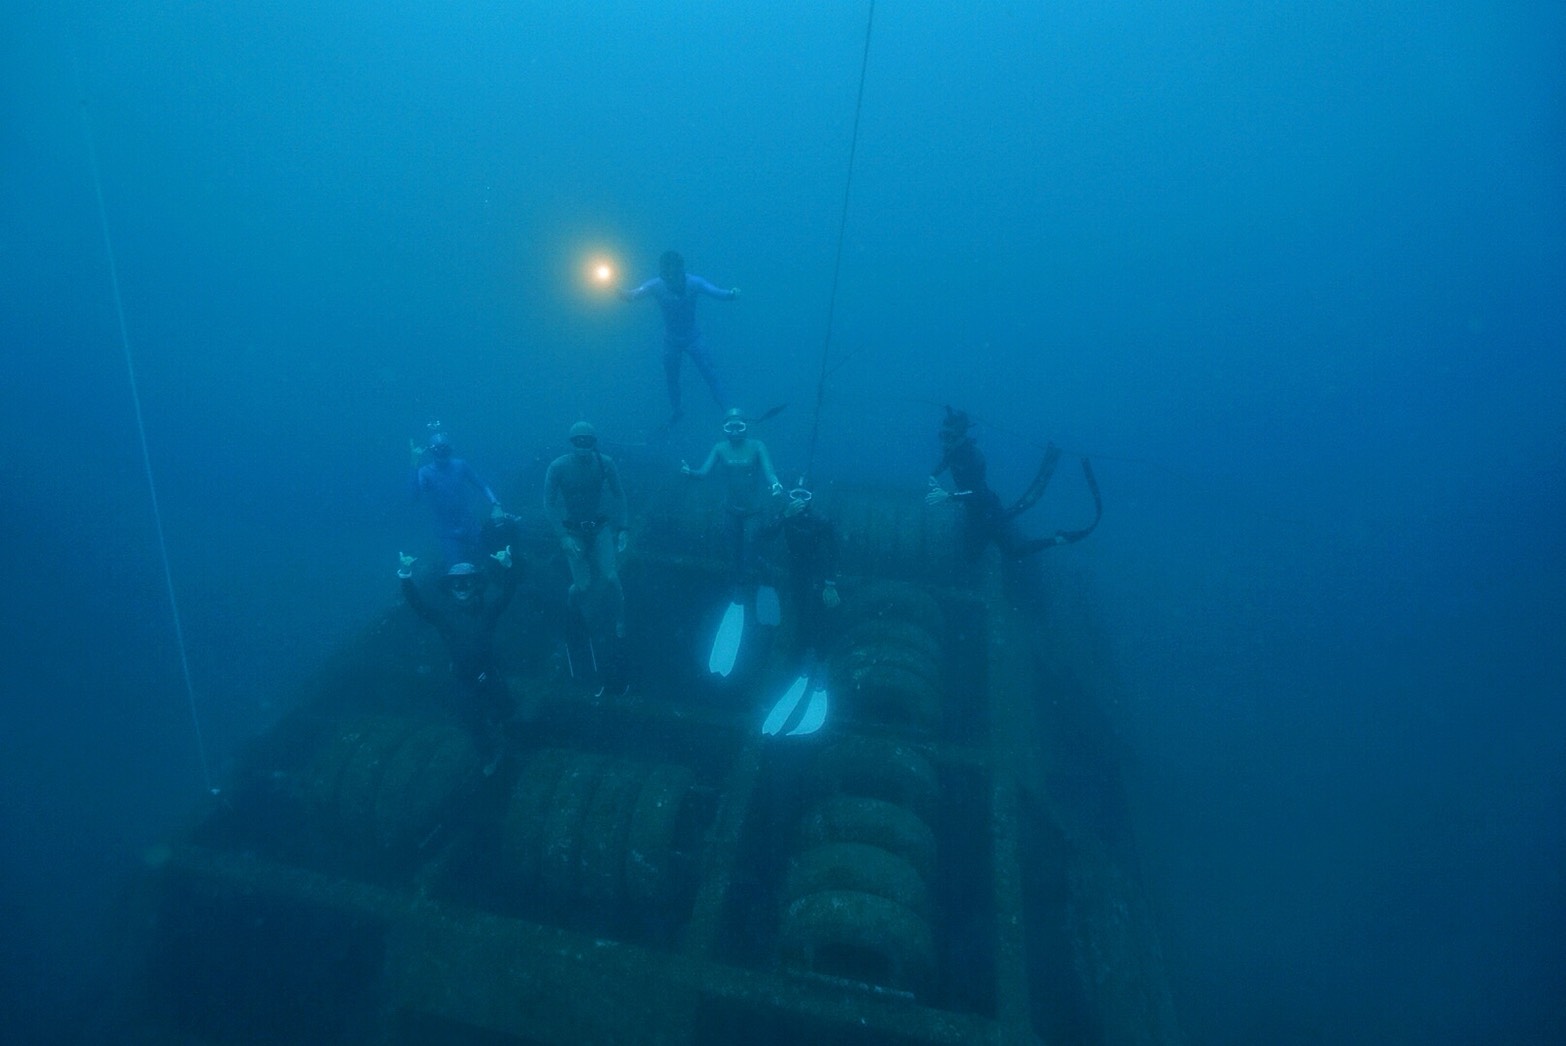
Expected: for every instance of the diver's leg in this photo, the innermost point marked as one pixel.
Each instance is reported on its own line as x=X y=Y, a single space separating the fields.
x=736 y=526
x=671 y=375
x=747 y=554
x=973 y=532
x=609 y=577
x=486 y=705
x=806 y=592
x=581 y=572
x=709 y=373
x=1004 y=531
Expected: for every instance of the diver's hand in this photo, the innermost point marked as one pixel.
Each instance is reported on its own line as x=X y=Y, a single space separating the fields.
x=405 y=565
x=503 y=557
x=777 y=490
x=571 y=545
x=415 y=452
x=936 y=495
x=686 y=470
x=496 y=512
x=733 y=293
x=623 y=542
x=829 y=595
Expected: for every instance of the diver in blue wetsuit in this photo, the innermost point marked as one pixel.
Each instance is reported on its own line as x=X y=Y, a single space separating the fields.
x=453 y=491
x=676 y=291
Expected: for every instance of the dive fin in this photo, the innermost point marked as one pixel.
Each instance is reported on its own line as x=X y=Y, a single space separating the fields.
x=768 y=612
x=1068 y=536
x=815 y=712
x=1041 y=480
x=785 y=707
x=726 y=644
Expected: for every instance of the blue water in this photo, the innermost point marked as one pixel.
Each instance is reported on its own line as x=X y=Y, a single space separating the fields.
x=1291 y=273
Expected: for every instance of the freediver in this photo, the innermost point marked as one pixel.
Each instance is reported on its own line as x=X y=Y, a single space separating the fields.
x=812 y=543
x=466 y=620
x=586 y=505
x=676 y=292
x=983 y=519
x=453 y=490
x=748 y=479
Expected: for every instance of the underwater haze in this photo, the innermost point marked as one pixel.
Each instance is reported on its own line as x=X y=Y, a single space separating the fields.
x=1290 y=273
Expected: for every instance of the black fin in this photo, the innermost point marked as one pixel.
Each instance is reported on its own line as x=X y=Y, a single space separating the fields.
x=1041 y=480
x=1068 y=536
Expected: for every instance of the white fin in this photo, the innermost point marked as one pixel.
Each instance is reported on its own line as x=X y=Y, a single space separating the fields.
x=785 y=706
x=815 y=713
x=726 y=644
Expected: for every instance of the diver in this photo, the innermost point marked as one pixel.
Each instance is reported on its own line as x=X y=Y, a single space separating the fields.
x=676 y=292
x=453 y=491
x=748 y=478
x=466 y=620
x=812 y=543
x=586 y=504
x=984 y=520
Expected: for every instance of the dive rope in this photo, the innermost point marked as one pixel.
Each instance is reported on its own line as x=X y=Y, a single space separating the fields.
x=837 y=262
x=141 y=430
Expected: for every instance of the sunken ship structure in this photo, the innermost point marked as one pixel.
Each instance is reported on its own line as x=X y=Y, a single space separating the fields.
x=946 y=861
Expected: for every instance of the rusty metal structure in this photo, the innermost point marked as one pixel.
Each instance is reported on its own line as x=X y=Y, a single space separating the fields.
x=946 y=862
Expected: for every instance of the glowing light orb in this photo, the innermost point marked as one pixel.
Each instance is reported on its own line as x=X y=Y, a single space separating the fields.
x=599 y=272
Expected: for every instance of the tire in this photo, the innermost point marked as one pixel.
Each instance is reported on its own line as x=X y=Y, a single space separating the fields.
x=877 y=769
x=858 y=937
x=875 y=822
x=649 y=845
x=859 y=867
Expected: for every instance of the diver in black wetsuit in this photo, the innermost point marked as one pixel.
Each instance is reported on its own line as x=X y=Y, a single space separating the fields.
x=811 y=539
x=466 y=621
x=984 y=520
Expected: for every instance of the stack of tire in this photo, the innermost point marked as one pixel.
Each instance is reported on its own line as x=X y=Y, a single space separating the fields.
x=856 y=899
x=595 y=832
x=385 y=782
x=890 y=665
